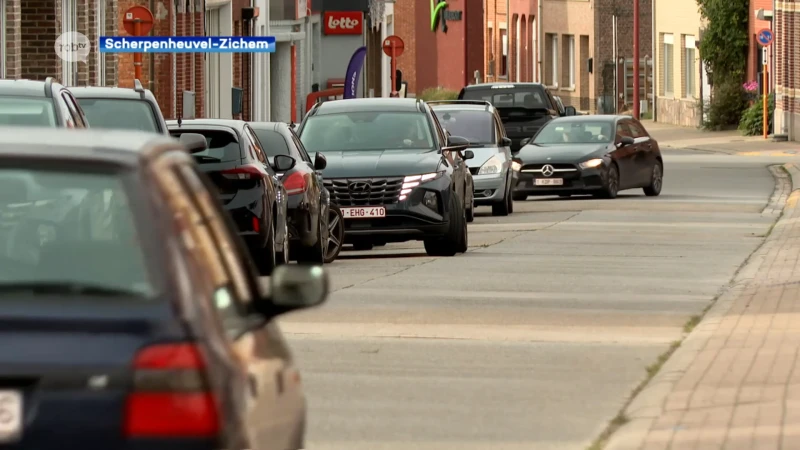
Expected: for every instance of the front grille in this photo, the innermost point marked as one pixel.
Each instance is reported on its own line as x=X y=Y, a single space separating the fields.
x=538 y=167
x=367 y=192
x=474 y=170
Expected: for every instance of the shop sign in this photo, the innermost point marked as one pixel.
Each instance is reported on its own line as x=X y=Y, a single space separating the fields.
x=344 y=22
x=441 y=14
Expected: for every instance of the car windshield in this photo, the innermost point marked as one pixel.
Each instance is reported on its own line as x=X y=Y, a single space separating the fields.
x=273 y=143
x=119 y=114
x=571 y=132
x=222 y=146
x=69 y=229
x=367 y=130
x=477 y=126
x=510 y=96
x=29 y=112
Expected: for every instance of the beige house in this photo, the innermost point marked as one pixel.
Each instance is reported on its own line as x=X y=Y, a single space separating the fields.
x=679 y=82
x=568 y=43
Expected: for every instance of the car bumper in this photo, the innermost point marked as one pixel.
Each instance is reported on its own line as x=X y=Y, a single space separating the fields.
x=587 y=181
x=489 y=189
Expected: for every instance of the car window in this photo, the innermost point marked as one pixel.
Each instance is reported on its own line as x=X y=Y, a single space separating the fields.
x=510 y=96
x=59 y=226
x=257 y=150
x=24 y=111
x=623 y=130
x=574 y=132
x=273 y=142
x=74 y=110
x=367 y=131
x=637 y=130
x=440 y=133
x=120 y=114
x=301 y=150
x=476 y=126
x=223 y=146
x=499 y=130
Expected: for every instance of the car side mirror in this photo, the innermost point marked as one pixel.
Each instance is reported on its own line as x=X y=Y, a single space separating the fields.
x=524 y=142
x=294 y=287
x=456 y=144
x=320 y=162
x=194 y=142
x=626 y=140
x=283 y=163
x=505 y=142
x=468 y=154
x=570 y=111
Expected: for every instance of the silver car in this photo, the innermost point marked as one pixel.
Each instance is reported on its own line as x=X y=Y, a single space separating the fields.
x=492 y=167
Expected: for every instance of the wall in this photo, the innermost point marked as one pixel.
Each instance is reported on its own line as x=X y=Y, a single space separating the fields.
x=521 y=40
x=496 y=24
x=405 y=26
x=754 y=55
x=787 y=104
x=680 y=19
x=335 y=53
x=575 y=18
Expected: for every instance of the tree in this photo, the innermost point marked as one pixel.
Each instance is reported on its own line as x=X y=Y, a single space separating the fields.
x=725 y=42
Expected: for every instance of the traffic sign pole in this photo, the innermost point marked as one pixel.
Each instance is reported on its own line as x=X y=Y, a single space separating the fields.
x=765 y=92
x=393 y=47
x=138 y=22
x=394 y=70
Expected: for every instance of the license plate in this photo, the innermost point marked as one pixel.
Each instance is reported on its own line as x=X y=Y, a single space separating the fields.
x=10 y=416
x=550 y=182
x=366 y=212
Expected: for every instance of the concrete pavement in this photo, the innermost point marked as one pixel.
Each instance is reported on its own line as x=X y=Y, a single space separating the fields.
x=536 y=337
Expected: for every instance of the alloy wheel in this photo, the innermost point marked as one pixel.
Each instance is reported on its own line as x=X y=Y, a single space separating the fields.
x=657 y=178
x=334 y=230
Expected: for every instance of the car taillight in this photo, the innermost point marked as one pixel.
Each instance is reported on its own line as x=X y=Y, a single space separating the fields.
x=295 y=183
x=170 y=397
x=246 y=172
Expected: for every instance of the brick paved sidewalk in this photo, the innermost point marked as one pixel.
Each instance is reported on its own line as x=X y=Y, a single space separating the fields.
x=734 y=382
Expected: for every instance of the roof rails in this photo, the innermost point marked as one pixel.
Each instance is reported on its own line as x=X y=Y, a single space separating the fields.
x=48 y=87
x=137 y=86
x=485 y=103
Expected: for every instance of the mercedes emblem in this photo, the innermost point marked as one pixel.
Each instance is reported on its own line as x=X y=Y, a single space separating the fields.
x=547 y=170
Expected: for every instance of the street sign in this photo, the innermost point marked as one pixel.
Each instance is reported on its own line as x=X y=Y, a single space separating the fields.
x=765 y=36
x=141 y=15
x=393 y=46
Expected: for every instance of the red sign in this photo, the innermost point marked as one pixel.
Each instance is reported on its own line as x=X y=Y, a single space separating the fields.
x=397 y=43
x=140 y=14
x=344 y=22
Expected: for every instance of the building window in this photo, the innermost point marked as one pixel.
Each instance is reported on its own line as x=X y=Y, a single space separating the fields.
x=554 y=65
x=571 y=60
x=504 y=55
x=690 y=66
x=669 y=65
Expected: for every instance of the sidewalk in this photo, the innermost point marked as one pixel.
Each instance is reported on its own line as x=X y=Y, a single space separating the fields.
x=734 y=382
x=673 y=136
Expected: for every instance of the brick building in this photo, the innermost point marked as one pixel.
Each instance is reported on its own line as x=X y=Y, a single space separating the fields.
x=511 y=49
x=787 y=59
x=754 y=60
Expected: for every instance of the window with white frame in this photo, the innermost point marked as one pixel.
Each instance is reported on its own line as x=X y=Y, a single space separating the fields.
x=668 y=55
x=554 y=65
x=571 y=60
x=504 y=53
x=690 y=67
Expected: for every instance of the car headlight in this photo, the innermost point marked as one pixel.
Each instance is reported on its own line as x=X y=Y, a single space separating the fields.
x=412 y=181
x=591 y=163
x=492 y=166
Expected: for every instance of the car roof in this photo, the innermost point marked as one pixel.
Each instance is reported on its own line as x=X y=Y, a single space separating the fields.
x=216 y=124
x=508 y=84
x=610 y=118
x=25 y=88
x=369 y=104
x=111 y=92
x=99 y=145
x=460 y=107
x=273 y=126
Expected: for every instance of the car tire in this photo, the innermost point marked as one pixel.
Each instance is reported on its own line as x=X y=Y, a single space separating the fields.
x=471 y=211
x=611 y=187
x=335 y=234
x=656 y=180
x=283 y=257
x=510 y=201
x=314 y=255
x=454 y=240
x=501 y=208
x=266 y=257
x=519 y=196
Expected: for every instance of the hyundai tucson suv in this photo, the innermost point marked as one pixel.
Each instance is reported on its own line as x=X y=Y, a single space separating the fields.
x=29 y=103
x=394 y=172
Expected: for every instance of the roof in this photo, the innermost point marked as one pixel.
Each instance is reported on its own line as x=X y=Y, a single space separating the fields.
x=110 y=92
x=498 y=84
x=22 y=88
x=590 y=118
x=462 y=106
x=201 y=123
x=274 y=126
x=369 y=104
x=83 y=144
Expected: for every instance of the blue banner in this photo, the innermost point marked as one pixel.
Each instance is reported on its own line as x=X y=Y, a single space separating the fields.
x=353 y=73
x=182 y=44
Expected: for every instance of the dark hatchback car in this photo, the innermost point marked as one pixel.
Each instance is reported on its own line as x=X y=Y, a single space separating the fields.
x=247 y=185
x=117 y=108
x=135 y=313
x=39 y=104
x=315 y=227
x=393 y=171
x=590 y=154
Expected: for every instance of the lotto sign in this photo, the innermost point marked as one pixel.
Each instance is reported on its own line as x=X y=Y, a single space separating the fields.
x=344 y=22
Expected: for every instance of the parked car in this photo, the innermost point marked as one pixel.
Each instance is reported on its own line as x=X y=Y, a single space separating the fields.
x=117 y=108
x=393 y=171
x=133 y=307
x=39 y=104
x=491 y=169
x=247 y=185
x=590 y=154
x=523 y=107
x=315 y=225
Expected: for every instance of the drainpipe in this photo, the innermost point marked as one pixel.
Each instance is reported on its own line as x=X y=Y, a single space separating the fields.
x=540 y=42
x=653 y=43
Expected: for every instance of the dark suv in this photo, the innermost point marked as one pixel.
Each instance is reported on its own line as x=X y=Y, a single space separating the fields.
x=394 y=172
x=39 y=104
x=121 y=109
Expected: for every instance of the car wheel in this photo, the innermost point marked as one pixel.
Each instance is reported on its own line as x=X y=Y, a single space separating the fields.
x=266 y=257
x=612 y=182
x=656 y=180
x=454 y=240
x=335 y=234
x=501 y=208
x=471 y=211
x=282 y=257
x=464 y=237
x=519 y=196
x=510 y=201
x=316 y=253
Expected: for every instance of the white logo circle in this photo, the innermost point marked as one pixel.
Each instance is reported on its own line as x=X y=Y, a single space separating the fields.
x=73 y=47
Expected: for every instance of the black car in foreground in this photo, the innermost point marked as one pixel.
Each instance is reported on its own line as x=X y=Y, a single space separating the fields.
x=247 y=185
x=132 y=306
x=393 y=171
x=315 y=227
x=29 y=103
x=590 y=154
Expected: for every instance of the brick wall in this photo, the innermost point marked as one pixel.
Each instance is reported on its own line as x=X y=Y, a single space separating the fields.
x=38 y=25
x=787 y=47
x=405 y=26
x=564 y=19
x=497 y=21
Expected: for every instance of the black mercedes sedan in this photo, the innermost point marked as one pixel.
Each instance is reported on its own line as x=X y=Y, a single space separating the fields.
x=596 y=155
x=394 y=172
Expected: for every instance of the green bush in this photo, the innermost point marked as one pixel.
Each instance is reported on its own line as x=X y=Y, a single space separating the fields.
x=728 y=100
x=753 y=117
x=438 y=93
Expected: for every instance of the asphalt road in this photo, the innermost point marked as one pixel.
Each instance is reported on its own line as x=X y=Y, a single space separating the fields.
x=534 y=338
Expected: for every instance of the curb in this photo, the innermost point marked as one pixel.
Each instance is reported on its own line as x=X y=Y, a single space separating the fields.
x=646 y=407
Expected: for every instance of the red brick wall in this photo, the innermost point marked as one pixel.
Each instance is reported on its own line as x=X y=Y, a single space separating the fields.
x=754 y=59
x=405 y=28
x=38 y=33
x=788 y=56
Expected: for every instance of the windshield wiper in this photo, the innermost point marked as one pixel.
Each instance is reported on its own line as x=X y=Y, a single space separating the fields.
x=51 y=287
x=205 y=158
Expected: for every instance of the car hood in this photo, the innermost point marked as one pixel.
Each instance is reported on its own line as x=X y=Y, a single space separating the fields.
x=380 y=163
x=482 y=154
x=561 y=153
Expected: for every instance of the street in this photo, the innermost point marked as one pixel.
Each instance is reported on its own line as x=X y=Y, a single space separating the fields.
x=536 y=337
